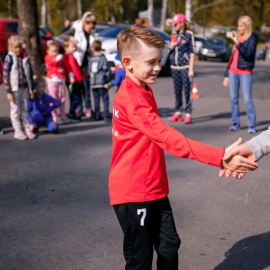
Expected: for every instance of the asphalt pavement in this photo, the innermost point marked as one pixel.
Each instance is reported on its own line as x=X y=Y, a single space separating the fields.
x=54 y=206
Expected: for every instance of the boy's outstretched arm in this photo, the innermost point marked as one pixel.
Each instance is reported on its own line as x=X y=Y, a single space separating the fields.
x=242 y=150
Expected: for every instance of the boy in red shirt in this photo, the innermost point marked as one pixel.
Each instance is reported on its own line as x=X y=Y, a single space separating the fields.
x=138 y=183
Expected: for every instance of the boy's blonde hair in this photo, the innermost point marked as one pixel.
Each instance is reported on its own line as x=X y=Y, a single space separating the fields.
x=67 y=43
x=14 y=40
x=128 y=40
x=51 y=43
x=96 y=45
x=247 y=21
x=39 y=80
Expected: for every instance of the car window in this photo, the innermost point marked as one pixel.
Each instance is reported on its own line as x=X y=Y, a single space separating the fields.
x=113 y=31
x=163 y=35
x=200 y=39
x=13 y=27
x=216 y=41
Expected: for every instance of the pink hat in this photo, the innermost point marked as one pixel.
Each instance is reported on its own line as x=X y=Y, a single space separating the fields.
x=178 y=18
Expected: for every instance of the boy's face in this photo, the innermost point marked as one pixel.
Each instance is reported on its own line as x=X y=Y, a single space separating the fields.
x=52 y=50
x=144 y=68
x=40 y=89
x=16 y=48
x=71 y=48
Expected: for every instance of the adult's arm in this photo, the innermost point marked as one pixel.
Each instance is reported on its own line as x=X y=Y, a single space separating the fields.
x=66 y=35
x=260 y=145
x=248 y=49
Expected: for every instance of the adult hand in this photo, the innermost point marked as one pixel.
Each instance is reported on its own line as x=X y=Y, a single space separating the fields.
x=234 y=36
x=226 y=82
x=10 y=97
x=190 y=73
x=73 y=40
x=173 y=44
x=243 y=150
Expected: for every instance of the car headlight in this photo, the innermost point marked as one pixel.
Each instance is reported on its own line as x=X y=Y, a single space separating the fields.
x=204 y=50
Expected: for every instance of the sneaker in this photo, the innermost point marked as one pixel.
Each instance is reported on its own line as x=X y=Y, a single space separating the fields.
x=78 y=113
x=100 y=118
x=30 y=135
x=252 y=130
x=176 y=117
x=59 y=121
x=188 y=120
x=1 y=131
x=235 y=127
x=107 y=120
x=73 y=119
x=65 y=120
x=88 y=113
x=18 y=134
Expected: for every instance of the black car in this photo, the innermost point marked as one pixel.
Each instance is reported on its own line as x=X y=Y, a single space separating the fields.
x=215 y=48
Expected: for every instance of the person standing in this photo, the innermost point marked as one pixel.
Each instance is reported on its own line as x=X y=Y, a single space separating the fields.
x=239 y=72
x=182 y=64
x=82 y=34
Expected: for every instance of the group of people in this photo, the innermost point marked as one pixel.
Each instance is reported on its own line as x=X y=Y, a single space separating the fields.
x=238 y=72
x=81 y=68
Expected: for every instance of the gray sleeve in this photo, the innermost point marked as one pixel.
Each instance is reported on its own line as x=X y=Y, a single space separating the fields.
x=260 y=145
x=67 y=34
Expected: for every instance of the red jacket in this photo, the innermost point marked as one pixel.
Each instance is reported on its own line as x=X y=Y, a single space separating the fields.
x=73 y=67
x=138 y=168
x=1 y=71
x=55 y=68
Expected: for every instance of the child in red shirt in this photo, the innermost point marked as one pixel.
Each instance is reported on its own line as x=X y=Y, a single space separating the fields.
x=138 y=184
x=56 y=68
x=73 y=80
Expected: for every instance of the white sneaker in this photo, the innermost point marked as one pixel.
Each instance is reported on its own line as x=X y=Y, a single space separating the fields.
x=19 y=135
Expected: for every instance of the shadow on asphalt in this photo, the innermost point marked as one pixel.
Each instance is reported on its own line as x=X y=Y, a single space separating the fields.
x=251 y=253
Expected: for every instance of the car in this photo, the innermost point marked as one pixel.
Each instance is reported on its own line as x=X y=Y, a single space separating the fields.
x=199 y=41
x=9 y=27
x=100 y=27
x=109 y=45
x=215 y=48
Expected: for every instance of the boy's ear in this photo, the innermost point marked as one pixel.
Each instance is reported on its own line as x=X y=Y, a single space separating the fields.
x=126 y=61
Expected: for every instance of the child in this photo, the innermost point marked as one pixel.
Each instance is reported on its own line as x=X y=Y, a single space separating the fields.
x=18 y=78
x=138 y=184
x=119 y=75
x=40 y=108
x=73 y=80
x=56 y=69
x=100 y=74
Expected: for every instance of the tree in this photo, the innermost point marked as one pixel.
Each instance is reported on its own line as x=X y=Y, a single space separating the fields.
x=28 y=30
x=163 y=13
x=150 y=12
x=44 y=13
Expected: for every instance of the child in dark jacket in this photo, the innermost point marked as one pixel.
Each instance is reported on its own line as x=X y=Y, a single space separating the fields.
x=40 y=108
x=100 y=74
x=119 y=75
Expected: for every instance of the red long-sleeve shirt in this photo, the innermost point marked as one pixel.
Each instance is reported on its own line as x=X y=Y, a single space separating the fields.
x=73 y=67
x=138 y=167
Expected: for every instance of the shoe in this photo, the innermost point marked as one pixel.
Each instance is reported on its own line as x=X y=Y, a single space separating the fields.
x=252 y=130
x=73 y=119
x=88 y=113
x=176 y=117
x=235 y=127
x=30 y=135
x=18 y=134
x=59 y=121
x=100 y=118
x=107 y=120
x=1 y=131
x=188 y=120
x=65 y=120
x=78 y=113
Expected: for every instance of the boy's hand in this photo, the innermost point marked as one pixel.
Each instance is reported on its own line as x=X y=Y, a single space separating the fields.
x=31 y=96
x=106 y=86
x=236 y=163
x=31 y=127
x=243 y=150
x=72 y=80
x=10 y=97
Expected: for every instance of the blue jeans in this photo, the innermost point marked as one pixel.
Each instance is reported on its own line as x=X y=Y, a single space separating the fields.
x=246 y=85
x=101 y=93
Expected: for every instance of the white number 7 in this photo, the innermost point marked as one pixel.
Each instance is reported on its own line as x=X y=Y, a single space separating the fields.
x=143 y=216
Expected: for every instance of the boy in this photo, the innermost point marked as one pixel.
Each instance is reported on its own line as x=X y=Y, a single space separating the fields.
x=138 y=184
x=73 y=80
x=100 y=74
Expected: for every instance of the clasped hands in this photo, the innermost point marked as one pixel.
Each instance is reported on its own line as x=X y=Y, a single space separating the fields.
x=238 y=160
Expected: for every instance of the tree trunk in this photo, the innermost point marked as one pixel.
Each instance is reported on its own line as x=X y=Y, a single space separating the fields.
x=10 y=15
x=28 y=30
x=188 y=10
x=79 y=8
x=44 y=13
x=150 y=13
x=163 y=13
